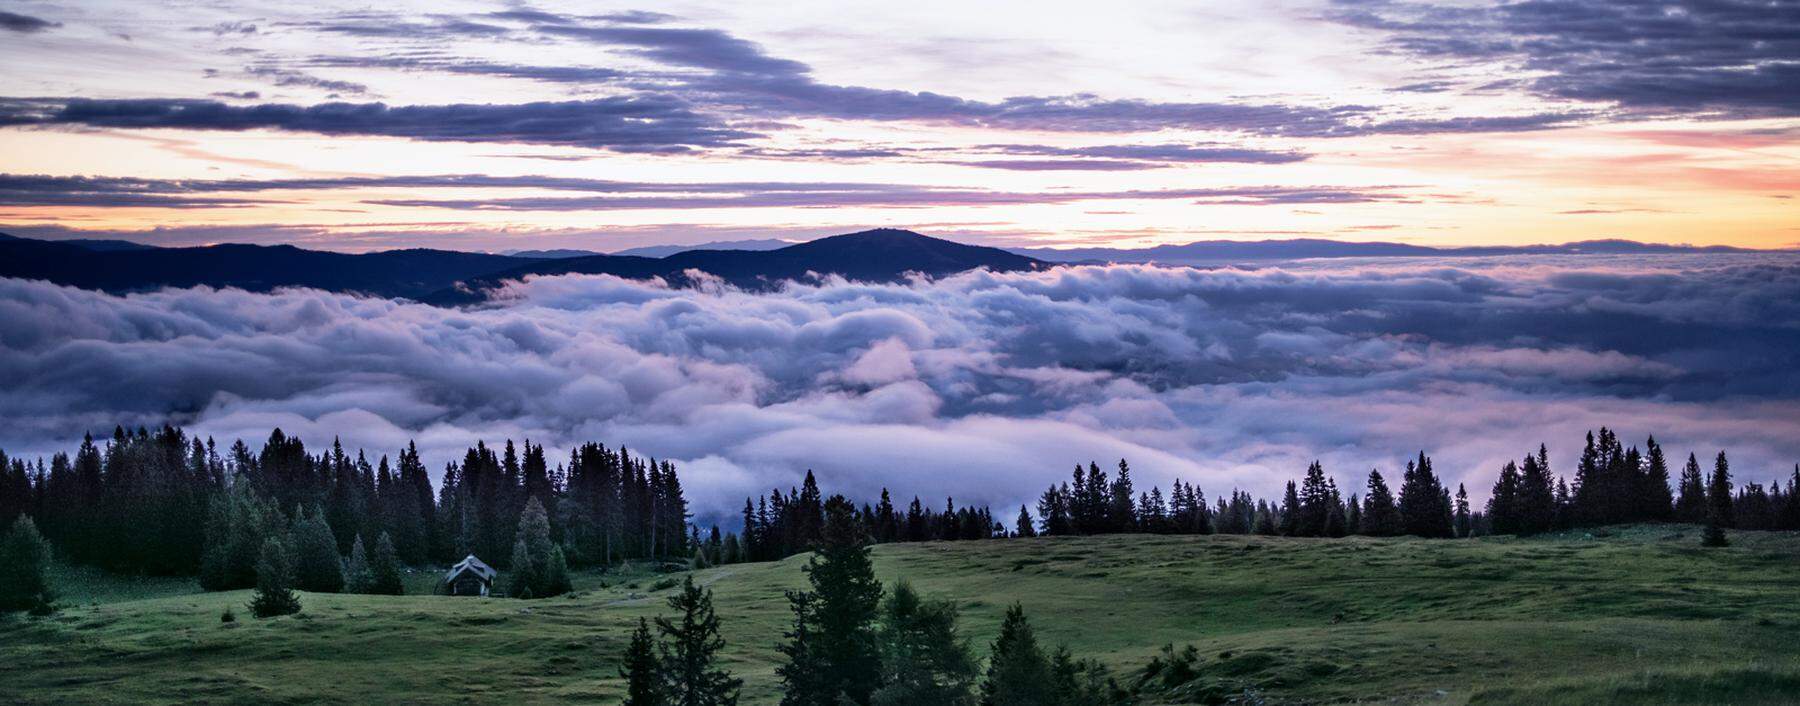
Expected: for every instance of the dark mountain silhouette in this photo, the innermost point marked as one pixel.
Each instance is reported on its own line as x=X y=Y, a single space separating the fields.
x=1226 y=251
x=882 y=255
x=447 y=277
x=395 y=273
x=555 y=254
x=90 y=244
x=667 y=250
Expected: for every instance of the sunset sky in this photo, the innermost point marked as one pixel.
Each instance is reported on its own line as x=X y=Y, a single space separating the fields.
x=497 y=126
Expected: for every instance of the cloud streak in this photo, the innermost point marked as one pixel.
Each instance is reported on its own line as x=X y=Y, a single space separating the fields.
x=1733 y=58
x=106 y=192
x=625 y=124
x=984 y=386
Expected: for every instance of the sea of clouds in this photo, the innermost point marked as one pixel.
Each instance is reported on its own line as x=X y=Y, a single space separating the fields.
x=982 y=386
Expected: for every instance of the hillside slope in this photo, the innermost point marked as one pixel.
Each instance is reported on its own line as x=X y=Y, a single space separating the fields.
x=1644 y=616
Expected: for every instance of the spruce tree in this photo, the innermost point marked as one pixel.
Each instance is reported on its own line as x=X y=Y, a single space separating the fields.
x=1503 y=503
x=539 y=567
x=385 y=568
x=523 y=575
x=1691 y=505
x=274 y=582
x=1337 y=521
x=1018 y=673
x=1656 y=502
x=690 y=651
x=1424 y=506
x=1314 y=503
x=359 y=574
x=1380 y=516
x=317 y=565
x=1265 y=522
x=555 y=575
x=923 y=659
x=641 y=670
x=24 y=565
x=832 y=653
x=238 y=520
x=731 y=551
x=1291 y=514
x=1718 y=494
x=1539 y=505
x=1463 y=527
x=1024 y=527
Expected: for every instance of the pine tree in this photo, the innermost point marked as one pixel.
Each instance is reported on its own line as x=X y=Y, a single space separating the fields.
x=1718 y=494
x=1503 y=503
x=1314 y=503
x=1463 y=527
x=641 y=670
x=690 y=649
x=1120 y=515
x=317 y=565
x=359 y=575
x=1790 y=512
x=924 y=660
x=1265 y=522
x=1656 y=501
x=1024 y=527
x=523 y=574
x=1053 y=511
x=274 y=582
x=1380 y=516
x=1540 y=503
x=1083 y=682
x=832 y=652
x=385 y=568
x=1290 y=512
x=237 y=523
x=1691 y=506
x=24 y=564
x=1714 y=534
x=1018 y=673
x=539 y=567
x=731 y=550
x=1424 y=506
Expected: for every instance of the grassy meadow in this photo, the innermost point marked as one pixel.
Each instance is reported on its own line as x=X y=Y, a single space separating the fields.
x=1627 y=615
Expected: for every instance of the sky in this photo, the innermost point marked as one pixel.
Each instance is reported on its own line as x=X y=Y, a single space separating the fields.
x=985 y=387
x=498 y=126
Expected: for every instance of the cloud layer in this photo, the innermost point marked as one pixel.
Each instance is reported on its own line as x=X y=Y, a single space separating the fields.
x=981 y=386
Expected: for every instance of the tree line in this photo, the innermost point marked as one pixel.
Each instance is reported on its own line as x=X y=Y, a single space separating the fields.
x=780 y=526
x=166 y=503
x=163 y=503
x=1612 y=484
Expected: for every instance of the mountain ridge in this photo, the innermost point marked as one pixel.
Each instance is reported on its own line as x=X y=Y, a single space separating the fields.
x=878 y=255
x=1220 y=251
x=448 y=277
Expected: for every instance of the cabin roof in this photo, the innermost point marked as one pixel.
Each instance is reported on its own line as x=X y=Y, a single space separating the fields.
x=471 y=564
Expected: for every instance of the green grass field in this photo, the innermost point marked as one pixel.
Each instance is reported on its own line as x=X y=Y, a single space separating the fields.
x=1637 y=615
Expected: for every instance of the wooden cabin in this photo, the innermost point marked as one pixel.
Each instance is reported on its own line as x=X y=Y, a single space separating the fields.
x=470 y=577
